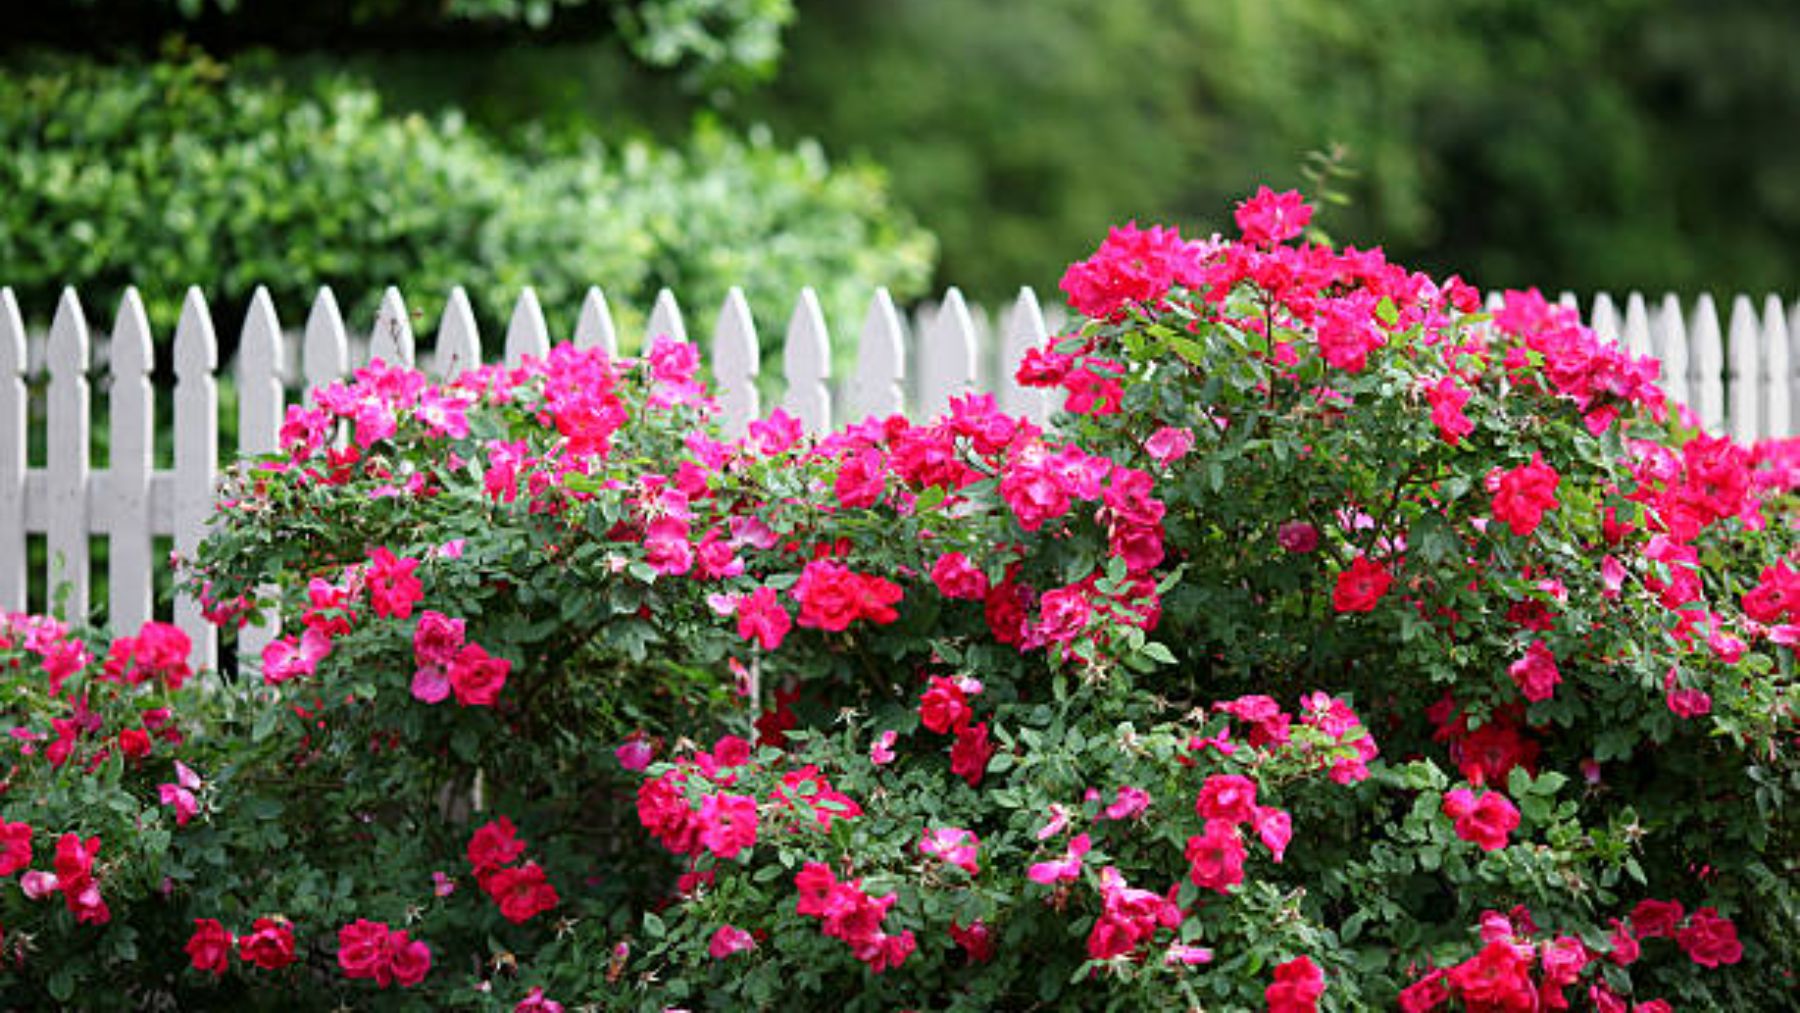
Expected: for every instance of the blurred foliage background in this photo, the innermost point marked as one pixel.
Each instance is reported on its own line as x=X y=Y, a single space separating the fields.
x=1608 y=144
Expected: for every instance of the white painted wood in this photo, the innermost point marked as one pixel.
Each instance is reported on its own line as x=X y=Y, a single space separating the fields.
x=1744 y=370
x=1793 y=324
x=260 y=411
x=877 y=386
x=1777 y=420
x=326 y=347
x=458 y=339
x=66 y=463
x=12 y=454
x=1668 y=332
x=594 y=327
x=806 y=364
x=196 y=456
x=1604 y=318
x=947 y=358
x=665 y=320
x=1022 y=329
x=527 y=334
x=1567 y=299
x=737 y=360
x=1636 y=330
x=126 y=508
x=1706 y=364
x=259 y=360
x=391 y=337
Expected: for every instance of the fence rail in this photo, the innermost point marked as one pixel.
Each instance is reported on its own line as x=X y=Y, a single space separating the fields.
x=1743 y=378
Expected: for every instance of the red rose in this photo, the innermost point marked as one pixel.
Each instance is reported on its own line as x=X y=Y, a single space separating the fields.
x=210 y=946
x=1298 y=985
x=1230 y=797
x=411 y=959
x=476 y=677
x=944 y=706
x=270 y=944
x=134 y=743
x=363 y=951
x=1361 y=586
x=969 y=756
x=522 y=892
x=15 y=847
x=1654 y=919
x=1710 y=940
x=1523 y=495
x=495 y=844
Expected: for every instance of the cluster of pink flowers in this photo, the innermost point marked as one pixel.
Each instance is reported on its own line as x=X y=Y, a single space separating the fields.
x=954 y=846
x=944 y=708
x=726 y=824
x=1485 y=755
x=73 y=874
x=521 y=891
x=1271 y=727
x=1514 y=972
x=1129 y=917
x=1298 y=985
x=447 y=663
x=371 y=951
x=269 y=945
x=159 y=651
x=849 y=914
x=1216 y=856
x=1523 y=495
x=1486 y=820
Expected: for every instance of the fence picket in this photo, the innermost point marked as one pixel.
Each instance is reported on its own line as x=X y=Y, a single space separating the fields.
x=67 y=521
x=260 y=398
x=736 y=362
x=1669 y=334
x=1604 y=318
x=13 y=416
x=391 y=336
x=594 y=327
x=947 y=356
x=1793 y=326
x=527 y=334
x=196 y=456
x=876 y=386
x=124 y=511
x=1636 y=331
x=1706 y=363
x=458 y=339
x=1022 y=329
x=1744 y=372
x=326 y=348
x=1777 y=398
x=806 y=365
x=665 y=320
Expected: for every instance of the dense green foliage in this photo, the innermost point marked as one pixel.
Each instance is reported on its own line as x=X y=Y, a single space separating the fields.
x=182 y=173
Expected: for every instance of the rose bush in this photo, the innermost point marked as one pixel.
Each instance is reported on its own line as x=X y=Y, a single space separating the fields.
x=1340 y=646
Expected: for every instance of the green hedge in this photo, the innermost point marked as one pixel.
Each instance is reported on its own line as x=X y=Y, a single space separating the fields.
x=182 y=172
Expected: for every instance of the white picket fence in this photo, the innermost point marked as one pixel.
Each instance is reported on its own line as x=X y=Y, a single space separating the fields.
x=950 y=347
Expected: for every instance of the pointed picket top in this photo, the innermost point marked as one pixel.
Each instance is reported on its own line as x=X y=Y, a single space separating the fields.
x=1777 y=395
x=1706 y=364
x=594 y=327
x=947 y=358
x=1604 y=318
x=326 y=347
x=665 y=320
x=1636 y=330
x=877 y=385
x=1022 y=329
x=391 y=337
x=12 y=454
x=527 y=334
x=260 y=358
x=1668 y=334
x=1793 y=360
x=1569 y=300
x=458 y=339
x=126 y=508
x=736 y=362
x=1745 y=369
x=1495 y=302
x=196 y=457
x=67 y=460
x=806 y=364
